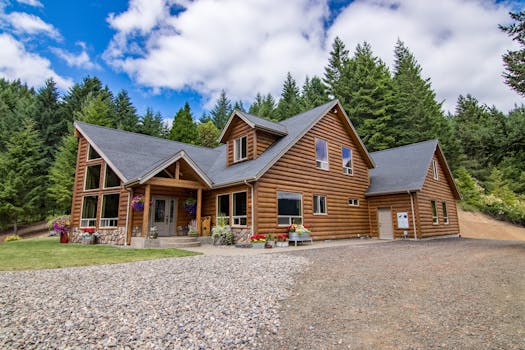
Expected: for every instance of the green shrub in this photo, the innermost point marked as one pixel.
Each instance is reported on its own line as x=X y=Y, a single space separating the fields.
x=12 y=238
x=222 y=235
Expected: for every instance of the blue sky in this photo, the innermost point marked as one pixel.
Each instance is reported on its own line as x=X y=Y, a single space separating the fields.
x=166 y=52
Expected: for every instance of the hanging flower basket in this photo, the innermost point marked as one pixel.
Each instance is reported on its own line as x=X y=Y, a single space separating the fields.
x=190 y=205
x=137 y=202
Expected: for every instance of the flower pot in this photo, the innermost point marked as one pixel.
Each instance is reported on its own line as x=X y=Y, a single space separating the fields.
x=64 y=238
x=282 y=244
x=258 y=245
x=270 y=244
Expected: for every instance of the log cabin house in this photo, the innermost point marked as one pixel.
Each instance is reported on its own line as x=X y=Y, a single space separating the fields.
x=309 y=169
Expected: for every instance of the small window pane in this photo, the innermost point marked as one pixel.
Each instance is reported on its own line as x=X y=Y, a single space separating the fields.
x=434 y=212
x=223 y=205
x=240 y=149
x=347 y=160
x=319 y=205
x=435 y=170
x=92 y=154
x=93 y=177
x=321 y=153
x=445 y=213
x=239 y=204
x=283 y=220
x=111 y=180
x=243 y=148
x=110 y=204
x=160 y=210
x=89 y=207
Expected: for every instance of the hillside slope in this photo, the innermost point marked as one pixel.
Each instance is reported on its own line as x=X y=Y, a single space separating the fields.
x=478 y=225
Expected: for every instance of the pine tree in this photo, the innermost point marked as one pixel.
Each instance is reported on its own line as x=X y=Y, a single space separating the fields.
x=208 y=134
x=313 y=93
x=263 y=107
x=290 y=102
x=77 y=95
x=222 y=111
x=515 y=60
x=125 y=113
x=153 y=125
x=21 y=190
x=239 y=106
x=333 y=72
x=97 y=109
x=183 y=128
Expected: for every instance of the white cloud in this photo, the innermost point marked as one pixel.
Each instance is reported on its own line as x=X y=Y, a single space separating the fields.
x=80 y=60
x=34 y=3
x=17 y=63
x=248 y=46
x=25 y=23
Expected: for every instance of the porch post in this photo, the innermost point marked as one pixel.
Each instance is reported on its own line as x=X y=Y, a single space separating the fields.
x=198 y=214
x=129 y=219
x=145 y=215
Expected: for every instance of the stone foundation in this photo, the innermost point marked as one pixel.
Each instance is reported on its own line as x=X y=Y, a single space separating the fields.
x=242 y=235
x=116 y=236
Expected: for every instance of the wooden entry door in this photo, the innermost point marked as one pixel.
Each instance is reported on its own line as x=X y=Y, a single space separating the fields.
x=164 y=215
x=386 y=229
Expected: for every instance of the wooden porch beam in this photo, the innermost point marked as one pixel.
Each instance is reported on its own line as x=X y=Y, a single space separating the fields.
x=145 y=215
x=162 y=181
x=177 y=170
x=198 y=213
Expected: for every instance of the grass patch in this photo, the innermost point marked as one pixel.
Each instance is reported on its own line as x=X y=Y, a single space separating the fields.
x=48 y=253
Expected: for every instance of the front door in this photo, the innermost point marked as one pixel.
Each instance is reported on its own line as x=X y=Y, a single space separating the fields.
x=164 y=215
x=386 y=229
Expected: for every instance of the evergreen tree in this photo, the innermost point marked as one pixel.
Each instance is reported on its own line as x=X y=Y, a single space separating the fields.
x=334 y=71
x=21 y=190
x=313 y=93
x=153 y=125
x=208 y=134
x=77 y=95
x=222 y=111
x=290 y=102
x=239 y=106
x=125 y=113
x=514 y=61
x=205 y=118
x=183 y=128
x=98 y=110
x=263 y=107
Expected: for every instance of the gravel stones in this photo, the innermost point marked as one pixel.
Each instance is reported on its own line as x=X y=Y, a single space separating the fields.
x=197 y=302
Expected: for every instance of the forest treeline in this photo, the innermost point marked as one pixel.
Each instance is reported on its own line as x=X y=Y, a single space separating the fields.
x=485 y=147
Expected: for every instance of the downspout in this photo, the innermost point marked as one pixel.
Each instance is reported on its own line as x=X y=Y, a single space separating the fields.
x=253 y=217
x=413 y=214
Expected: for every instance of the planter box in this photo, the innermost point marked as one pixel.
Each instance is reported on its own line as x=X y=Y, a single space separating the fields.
x=282 y=244
x=88 y=240
x=299 y=237
x=258 y=245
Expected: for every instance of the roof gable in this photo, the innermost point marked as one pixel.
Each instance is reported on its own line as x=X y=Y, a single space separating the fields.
x=253 y=122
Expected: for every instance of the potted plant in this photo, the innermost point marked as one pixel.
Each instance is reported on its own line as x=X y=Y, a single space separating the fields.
x=298 y=233
x=270 y=240
x=62 y=225
x=258 y=241
x=192 y=232
x=89 y=236
x=281 y=240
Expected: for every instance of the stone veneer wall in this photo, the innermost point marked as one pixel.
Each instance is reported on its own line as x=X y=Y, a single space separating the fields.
x=242 y=235
x=115 y=236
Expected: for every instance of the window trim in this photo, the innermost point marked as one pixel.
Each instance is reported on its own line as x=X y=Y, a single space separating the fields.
x=435 y=218
x=319 y=204
x=444 y=208
x=102 y=208
x=347 y=170
x=87 y=156
x=82 y=212
x=104 y=179
x=235 y=159
x=435 y=172
x=317 y=161
x=291 y=217
x=85 y=177
x=355 y=202
x=239 y=216
x=217 y=207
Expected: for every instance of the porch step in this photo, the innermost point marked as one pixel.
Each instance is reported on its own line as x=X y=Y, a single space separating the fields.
x=178 y=239
x=179 y=242
x=181 y=245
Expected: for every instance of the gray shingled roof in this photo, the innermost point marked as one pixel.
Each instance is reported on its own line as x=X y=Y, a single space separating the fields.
x=259 y=122
x=136 y=155
x=402 y=168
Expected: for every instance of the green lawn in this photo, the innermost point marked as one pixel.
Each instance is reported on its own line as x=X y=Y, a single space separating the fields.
x=48 y=253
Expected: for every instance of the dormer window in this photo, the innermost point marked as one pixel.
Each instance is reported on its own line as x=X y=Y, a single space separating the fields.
x=321 y=154
x=239 y=149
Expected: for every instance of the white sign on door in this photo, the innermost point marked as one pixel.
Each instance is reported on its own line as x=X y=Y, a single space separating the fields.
x=402 y=220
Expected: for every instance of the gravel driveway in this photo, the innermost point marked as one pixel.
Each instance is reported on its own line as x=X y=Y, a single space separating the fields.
x=446 y=294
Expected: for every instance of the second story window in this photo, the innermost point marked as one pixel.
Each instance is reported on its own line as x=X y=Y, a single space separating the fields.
x=92 y=180
x=321 y=154
x=239 y=149
x=92 y=154
x=435 y=170
x=347 y=160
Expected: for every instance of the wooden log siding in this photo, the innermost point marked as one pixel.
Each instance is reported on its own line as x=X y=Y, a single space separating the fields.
x=438 y=190
x=396 y=203
x=79 y=193
x=296 y=172
x=237 y=129
x=263 y=141
x=209 y=203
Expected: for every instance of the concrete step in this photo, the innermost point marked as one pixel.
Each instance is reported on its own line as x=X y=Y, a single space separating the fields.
x=178 y=239
x=180 y=245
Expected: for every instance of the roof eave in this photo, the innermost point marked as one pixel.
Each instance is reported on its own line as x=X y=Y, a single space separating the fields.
x=384 y=193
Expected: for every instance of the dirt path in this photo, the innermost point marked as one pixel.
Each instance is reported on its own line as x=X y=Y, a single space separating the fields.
x=478 y=225
x=443 y=294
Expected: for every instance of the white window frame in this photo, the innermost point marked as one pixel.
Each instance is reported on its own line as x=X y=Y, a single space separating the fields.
x=290 y=217
x=435 y=172
x=104 y=180
x=444 y=207
x=347 y=170
x=317 y=199
x=85 y=177
x=85 y=223
x=353 y=202
x=237 y=219
x=87 y=156
x=322 y=164
x=237 y=148
x=107 y=222
x=435 y=218
x=229 y=207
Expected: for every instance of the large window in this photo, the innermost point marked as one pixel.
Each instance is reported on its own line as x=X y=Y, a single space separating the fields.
x=111 y=179
x=239 y=208
x=319 y=205
x=346 y=154
x=445 y=213
x=435 y=220
x=435 y=170
x=289 y=208
x=89 y=211
x=223 y=209
x=239 y=149
x=109 y=215
x=92 y=154
x=92 y=177
x=321 y=154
